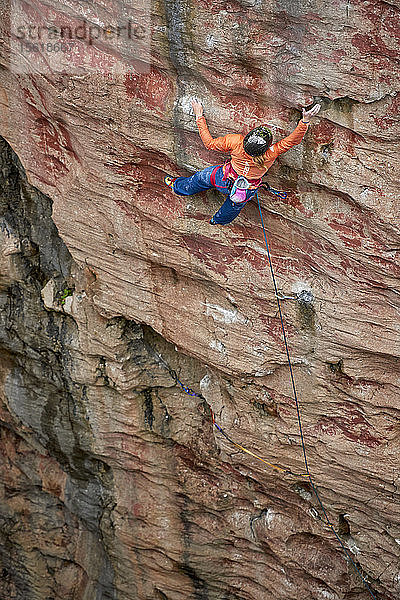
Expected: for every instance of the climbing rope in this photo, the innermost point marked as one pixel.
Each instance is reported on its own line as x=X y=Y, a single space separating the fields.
x=275 y=467
x=190 y=392
x=173 y=374
x=286 y=471
x=313 y=485
x=308 y=475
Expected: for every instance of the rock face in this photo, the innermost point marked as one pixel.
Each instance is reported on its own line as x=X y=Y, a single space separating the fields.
x=114 y=483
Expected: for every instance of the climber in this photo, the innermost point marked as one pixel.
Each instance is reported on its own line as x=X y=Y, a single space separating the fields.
x=251 y=157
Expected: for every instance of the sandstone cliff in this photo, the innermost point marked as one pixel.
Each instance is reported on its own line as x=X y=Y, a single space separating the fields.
x=114 y=484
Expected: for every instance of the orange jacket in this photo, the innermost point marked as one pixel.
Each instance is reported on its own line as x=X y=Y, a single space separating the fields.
x=242 y=162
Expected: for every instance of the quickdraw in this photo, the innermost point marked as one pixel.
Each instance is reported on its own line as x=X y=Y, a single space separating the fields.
x=271 y=190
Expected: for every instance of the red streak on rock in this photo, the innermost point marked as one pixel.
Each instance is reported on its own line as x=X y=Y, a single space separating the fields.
x=343 y=139
x=155 y=89
x=160 y=202
x=216 y=256
x=216 y=6
x=391 y=118
x=385 y=78
x=143 y=173
x=54 y=138
x=373 y=44
x=128 y=209
x=337 y=55
x=383 y=15
x=323 y=132
x=274 y=328
x=138 y=510
x=348 y=427
x=347 y=230
x=244 y=113
x=293 y=199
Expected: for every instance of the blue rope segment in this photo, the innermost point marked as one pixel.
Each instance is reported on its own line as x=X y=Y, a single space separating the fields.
x=313 y=485
x=188 y=390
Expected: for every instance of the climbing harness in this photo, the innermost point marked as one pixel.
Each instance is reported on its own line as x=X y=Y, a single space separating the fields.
x=231 y=176
x=309 y=476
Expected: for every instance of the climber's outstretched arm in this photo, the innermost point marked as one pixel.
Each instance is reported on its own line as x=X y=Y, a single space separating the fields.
x=297 y=135
x=224 y=144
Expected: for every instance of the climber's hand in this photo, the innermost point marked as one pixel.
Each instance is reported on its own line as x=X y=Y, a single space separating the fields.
x=309 y=114
x=197 y=108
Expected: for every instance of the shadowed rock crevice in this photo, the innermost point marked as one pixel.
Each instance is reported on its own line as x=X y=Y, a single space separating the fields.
x=47 y=411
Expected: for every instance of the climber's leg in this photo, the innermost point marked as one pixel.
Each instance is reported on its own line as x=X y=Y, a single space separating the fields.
x=198 y=182
x=227 y=213
x=204 y=180
x=230 y=210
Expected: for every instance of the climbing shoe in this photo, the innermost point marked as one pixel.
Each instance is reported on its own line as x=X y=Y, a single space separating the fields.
x=212 y=221
x=169 y=181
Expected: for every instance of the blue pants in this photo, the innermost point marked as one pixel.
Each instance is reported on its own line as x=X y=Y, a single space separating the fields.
x=186 y=186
